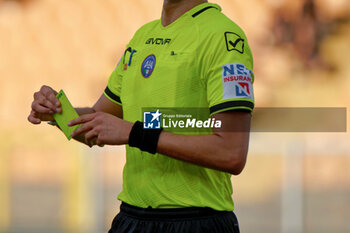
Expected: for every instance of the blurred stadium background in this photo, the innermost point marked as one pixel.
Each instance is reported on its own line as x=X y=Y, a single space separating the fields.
x=293 y=183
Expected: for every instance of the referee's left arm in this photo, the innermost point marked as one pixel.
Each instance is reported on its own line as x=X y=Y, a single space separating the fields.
x=226 y=149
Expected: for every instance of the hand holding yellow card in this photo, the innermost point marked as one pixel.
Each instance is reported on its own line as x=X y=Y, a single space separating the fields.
x=68 y=114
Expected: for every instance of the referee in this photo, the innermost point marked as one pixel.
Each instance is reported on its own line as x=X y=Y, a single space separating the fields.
x=193 y=57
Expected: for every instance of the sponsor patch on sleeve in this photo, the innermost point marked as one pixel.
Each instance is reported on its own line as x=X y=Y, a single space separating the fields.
x=237 y=81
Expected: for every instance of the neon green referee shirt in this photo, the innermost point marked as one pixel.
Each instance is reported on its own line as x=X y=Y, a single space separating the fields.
x=200 y=60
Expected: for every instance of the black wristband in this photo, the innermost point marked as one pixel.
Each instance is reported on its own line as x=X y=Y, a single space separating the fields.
x=144 y=139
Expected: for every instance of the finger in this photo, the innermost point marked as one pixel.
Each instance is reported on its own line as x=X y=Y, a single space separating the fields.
x=50 y=94
x=92 y=142
x=32 y=119
x=82 y=119
x=82 y=129
x=44 y=117
x=99 y=141
x=39 y=98
x=90 y=135
x=48 y=104
x=41 y=109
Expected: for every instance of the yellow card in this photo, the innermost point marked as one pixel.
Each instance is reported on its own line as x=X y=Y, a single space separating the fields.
x=68 y=113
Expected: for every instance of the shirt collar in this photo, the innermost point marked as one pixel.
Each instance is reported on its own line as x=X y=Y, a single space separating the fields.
x=199 y=8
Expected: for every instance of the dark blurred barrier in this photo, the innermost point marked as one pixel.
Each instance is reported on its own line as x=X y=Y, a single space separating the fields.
x=305 y=29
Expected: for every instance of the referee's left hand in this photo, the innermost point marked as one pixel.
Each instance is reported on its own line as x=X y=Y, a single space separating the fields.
x=102 y=129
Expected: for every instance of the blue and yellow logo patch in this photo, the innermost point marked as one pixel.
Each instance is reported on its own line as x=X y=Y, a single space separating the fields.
x=148 y=65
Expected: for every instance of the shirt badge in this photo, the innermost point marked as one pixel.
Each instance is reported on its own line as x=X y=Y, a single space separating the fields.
x=148 y=65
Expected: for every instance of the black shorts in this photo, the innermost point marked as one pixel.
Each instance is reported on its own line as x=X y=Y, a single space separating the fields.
x=133 y=219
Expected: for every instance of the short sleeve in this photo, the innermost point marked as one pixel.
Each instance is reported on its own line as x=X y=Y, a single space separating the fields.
x=114 y=86
x=227 y=69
